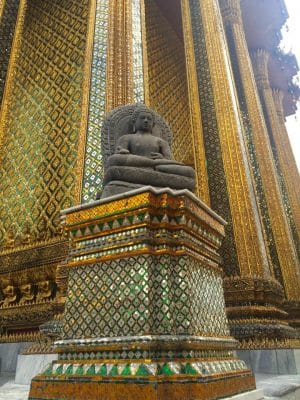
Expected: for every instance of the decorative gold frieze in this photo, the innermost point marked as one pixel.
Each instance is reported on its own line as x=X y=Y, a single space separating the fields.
x=30 y=285
x=268 y=344
x=20 y=337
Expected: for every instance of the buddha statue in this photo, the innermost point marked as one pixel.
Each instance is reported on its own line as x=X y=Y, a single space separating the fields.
x=143 y=157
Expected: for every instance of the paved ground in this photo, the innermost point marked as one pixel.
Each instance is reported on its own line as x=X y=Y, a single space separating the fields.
x=11 y=391
x=283 y=387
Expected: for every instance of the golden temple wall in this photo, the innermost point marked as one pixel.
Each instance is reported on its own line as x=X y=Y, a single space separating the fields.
x=42 y=112
x=71 y=62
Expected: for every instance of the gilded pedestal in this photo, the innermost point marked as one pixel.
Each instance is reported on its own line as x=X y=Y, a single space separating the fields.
x=145 y=314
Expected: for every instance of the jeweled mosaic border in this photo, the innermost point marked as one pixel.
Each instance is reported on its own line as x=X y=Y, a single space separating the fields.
x=7 y=26
x=138 y=68
x=93 y=171
x=132 y=369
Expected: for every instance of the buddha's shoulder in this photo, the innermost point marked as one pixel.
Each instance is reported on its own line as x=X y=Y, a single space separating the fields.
x=125 y=137
x=161 y=140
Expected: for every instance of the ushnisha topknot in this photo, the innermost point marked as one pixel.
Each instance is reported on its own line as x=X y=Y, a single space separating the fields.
x=140 y=107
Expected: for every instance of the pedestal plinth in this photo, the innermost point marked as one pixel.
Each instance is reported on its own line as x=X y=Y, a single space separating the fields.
x=145 y=314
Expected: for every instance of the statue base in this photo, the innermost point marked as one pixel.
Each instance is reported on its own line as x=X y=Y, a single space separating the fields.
x=145 y=315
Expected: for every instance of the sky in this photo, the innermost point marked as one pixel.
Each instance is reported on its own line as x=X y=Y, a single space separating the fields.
x=291 y=42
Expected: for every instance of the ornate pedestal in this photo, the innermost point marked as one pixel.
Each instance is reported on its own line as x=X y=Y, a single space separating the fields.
x=145 y=315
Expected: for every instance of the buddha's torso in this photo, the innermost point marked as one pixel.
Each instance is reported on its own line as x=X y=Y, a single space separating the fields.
x=144 y=144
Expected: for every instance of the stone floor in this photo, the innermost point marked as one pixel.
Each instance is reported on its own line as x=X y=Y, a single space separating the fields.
x=282 y=387
x=9 y=390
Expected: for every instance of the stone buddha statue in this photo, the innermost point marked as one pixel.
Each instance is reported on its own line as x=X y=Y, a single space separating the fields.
x=140 y=153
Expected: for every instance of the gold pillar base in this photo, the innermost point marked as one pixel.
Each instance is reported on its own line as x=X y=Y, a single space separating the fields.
x=95 y=388
x=256 y=313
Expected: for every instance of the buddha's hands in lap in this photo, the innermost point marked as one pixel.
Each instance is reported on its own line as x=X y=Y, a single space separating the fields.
x=121 y=150
x=156 y=156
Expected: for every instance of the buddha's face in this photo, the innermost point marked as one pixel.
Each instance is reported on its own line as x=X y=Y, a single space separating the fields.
x=144 y=122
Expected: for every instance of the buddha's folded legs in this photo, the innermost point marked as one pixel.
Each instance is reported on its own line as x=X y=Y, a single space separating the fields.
x=151 y=177
x=176 y=169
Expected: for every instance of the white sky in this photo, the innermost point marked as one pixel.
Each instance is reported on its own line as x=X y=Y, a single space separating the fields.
x=291 y=42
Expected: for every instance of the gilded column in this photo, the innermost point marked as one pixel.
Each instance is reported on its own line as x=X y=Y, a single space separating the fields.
x=119 y=75
x=260 y=59
x=253 y=297
x=251 y=254
x=194 y=103
x=258 y=135
x=286 y=159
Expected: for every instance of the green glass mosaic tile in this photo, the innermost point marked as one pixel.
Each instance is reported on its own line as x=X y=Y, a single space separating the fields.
x=114 y=371
x=188 y=369
x=142 y=371
x=166 y=370
x=79 y=370
x=69 y=370
x=91 y=370
x=126 y=371
x=103 y=370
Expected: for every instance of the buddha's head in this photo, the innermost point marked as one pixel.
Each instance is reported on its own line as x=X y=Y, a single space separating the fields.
x=142 y=119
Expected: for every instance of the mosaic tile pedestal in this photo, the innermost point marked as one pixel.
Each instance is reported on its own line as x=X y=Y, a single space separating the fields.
x=145 y=315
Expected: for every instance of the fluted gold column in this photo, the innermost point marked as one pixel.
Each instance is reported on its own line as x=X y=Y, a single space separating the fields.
x=253 y=297
x=249 y=244
x=197 y=134
x=281 y=231
x=260 y=59
x=286 y=159
x=119 y=74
